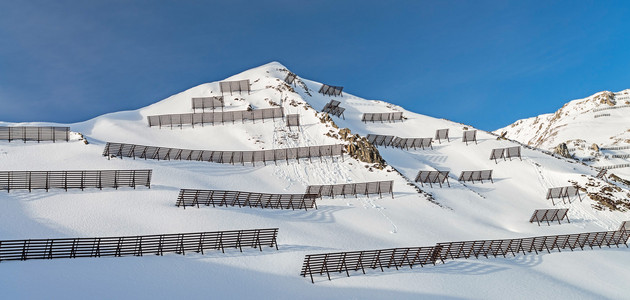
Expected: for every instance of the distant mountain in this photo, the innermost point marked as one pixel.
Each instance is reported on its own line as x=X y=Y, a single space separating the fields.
x=594 y=129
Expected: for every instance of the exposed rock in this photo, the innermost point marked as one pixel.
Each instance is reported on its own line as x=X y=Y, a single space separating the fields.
x=595 y=147
x=562 y=150
x=502 y=136
x=606 y=196
x=616 y=178
x=357 y=147
x=606 y=98
x=361 y=149
x=82 y=138
x=325 y=118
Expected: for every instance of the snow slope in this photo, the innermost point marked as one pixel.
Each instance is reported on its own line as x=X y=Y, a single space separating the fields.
x=600 y=119
x=465 y=211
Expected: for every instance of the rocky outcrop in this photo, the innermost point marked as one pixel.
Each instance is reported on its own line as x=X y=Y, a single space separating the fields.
x=357 y=146
x=361 y=149
x=606 y=98
x=562 y=150
x=594 y=147
x=606 y=196
x=502 y=136
x=616 y=178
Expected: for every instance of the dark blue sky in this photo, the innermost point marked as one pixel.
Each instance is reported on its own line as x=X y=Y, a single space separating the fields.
x=485 y=63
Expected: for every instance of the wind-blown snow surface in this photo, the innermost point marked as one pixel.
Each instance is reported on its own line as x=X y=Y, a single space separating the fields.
x=601 y=119
x=467 y=211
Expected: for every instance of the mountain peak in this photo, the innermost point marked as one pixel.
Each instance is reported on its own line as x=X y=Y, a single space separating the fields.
x=601 y=119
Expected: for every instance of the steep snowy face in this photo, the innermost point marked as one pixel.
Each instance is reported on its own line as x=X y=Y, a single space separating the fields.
x=584 y=125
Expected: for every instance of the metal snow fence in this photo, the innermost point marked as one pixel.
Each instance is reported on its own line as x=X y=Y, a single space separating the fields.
x=476 y=176
x=382 y=117
x=432 y=177
x=34 y=133
x=235 y=86
x=469 y=136
x=549 y=215
x=226 y=157
x=189 y=197
x=331 y=90
x=46 y=180
x=362 y=188
x=207 y=102
x=138 y=245
x=215 y=117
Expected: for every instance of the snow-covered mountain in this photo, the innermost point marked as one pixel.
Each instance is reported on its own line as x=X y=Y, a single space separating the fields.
x=595 y=130
x=416 y=216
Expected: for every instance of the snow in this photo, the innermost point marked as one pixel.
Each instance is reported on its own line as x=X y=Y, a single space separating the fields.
x=466 y=212
x=576 y=125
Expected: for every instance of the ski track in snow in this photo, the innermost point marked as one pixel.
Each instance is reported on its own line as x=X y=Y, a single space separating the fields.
x=315 y=172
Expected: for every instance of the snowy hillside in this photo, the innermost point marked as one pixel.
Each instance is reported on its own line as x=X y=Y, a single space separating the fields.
x=463 y=211
x=589 y=127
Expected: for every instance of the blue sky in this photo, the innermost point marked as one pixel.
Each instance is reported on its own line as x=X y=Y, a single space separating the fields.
x=485 y=63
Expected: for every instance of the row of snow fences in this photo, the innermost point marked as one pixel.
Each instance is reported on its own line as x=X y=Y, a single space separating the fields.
x=510 y=152
x=215 y=117
x=223 y=157
x=476 y=176
x=549 y=215
x=398 y=142
x=611 y=107
x=293 y=120
x=290 y=79
x=442 y=134
x=432 y=177
x=215 y=198
x=33 y=133
x=601 y=115
x=614 y=166
x=564 y=193
x=469 y=136
x=615 y=148
x=346 y=262
x=207 y=102
x=382 y=117
x=140 y=245
x=620 y=156
x=331 y=90
x=345 y=189
x=537 y=244
x=46 y=180
x=235 y=86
